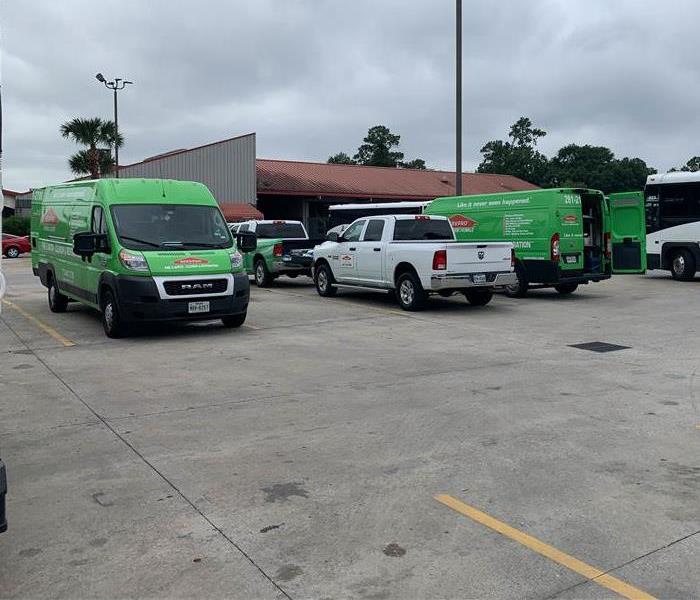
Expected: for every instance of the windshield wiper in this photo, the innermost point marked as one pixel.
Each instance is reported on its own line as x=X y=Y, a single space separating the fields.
x=138 y=241
x=204 y=244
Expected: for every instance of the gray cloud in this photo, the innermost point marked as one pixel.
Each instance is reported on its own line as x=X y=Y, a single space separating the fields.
x=310 y=76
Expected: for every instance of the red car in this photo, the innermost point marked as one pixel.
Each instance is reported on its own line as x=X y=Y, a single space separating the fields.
x=13 y=245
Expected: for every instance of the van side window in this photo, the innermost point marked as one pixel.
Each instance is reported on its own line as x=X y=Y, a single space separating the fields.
x=99 y=224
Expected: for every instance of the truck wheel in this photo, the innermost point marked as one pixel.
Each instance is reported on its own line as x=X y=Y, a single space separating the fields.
x=111 y=319
x=58 y=303
x=682 y=265
x=323 y=278
x=410 y=292
x=263 y=278
x=566 y=288
x=232 y=321
x=518 y=290
x=478 y=297
x=12 y=252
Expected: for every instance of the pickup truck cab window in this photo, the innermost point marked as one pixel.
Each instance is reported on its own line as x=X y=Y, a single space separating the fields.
x=353 y=233
x=422 y=229
x=374 y=231
x=283 y=230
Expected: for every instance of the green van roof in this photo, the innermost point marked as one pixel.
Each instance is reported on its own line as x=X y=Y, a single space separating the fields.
x=140 y=191
x=543 y=195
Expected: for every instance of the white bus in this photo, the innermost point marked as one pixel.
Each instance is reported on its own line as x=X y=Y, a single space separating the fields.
x=344 y=214
x=673 y=223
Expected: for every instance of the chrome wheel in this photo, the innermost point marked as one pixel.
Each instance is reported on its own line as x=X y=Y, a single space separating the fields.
x=109 y=315
x=407 y=292
x=322 y=280
x=259 y=274
x=52 y=296
x=679 y=264
x=12 y=252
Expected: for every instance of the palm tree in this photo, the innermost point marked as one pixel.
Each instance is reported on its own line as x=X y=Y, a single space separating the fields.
x=91 y=133
x=79 y=163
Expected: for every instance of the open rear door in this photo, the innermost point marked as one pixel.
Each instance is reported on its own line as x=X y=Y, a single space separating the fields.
x=628 y=232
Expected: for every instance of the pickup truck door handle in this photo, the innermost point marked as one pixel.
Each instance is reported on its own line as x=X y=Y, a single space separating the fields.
x=352 y=249
x=377 y=249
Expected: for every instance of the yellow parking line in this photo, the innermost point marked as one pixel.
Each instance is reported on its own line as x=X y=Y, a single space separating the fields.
x=43 y=326
x=580 y=567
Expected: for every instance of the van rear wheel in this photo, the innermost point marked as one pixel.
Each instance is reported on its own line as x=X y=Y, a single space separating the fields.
x=682 y=265
x=111 y=318
x=58 y=303
x=566 y=288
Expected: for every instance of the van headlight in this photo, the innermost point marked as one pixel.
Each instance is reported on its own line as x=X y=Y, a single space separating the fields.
x=133 y=261
x=236 y=260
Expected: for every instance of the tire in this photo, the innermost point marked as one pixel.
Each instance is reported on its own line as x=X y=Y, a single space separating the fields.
x=111 y=319
x=518 y=290
x=58 y=303
x=478 y=297
x=323 y=278
x=682 y=265
x=12 y=252
x=409 y=292
x=263 y=278
x=566 y=288
x=233 y=321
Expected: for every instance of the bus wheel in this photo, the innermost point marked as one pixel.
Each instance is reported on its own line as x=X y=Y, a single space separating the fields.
x=518 y=290
x=682 y=265
x=566 y=288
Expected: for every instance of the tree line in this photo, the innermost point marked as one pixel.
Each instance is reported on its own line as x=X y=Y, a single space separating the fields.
x=574 y=165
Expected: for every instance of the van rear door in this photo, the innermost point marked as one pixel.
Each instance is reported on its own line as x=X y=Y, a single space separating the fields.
x=628 y=232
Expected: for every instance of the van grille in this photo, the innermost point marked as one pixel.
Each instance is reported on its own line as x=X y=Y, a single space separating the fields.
x=195 y=286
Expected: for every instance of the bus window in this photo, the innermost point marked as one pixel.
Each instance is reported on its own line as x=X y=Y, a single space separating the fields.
x=680 y=204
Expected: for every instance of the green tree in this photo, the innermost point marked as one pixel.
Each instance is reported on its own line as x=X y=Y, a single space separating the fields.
x=692 y=165
x=518 y=155
x=16 y=225
x=416 y=163
x=341 y=159
x=596 y=167
x=79 y=163
x=98 y=136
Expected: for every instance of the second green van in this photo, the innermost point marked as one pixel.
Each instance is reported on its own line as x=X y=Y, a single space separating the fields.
x=138 y=250
x=563 y=237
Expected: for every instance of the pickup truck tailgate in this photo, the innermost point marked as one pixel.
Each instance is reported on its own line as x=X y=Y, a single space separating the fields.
x=468 y=257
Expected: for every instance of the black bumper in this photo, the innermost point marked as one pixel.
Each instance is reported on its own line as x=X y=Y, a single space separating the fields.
x=3 y=493
x=139 y=301
x=547 y=272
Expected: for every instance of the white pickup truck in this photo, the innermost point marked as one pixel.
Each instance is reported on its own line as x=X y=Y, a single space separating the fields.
x=415 y=255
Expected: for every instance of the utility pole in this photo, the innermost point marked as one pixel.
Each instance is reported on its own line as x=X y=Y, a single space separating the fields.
x=116 y=85
x=458 y=113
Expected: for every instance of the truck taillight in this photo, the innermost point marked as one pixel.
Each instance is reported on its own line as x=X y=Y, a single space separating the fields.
x=277 y=250
x=608 y=245
x=555 y=252
x=440 y=260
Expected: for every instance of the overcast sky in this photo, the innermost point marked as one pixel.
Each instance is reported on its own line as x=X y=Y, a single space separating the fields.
x=311 y=76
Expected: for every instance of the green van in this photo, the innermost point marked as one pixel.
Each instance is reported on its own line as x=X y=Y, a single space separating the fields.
x=563 y=237
x=138 y=250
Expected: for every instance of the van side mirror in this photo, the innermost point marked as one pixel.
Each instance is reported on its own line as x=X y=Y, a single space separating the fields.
x=246 y=241
x=332 y=236
x=86 y=243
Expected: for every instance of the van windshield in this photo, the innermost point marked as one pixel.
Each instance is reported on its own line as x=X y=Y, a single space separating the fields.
x=170 y=226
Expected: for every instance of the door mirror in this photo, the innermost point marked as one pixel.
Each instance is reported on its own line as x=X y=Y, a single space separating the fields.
x=86 y=243
x=332 y=236
x=246 y=241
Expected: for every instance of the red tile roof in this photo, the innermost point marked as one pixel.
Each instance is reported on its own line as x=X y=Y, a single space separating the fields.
x=240 y=212
x=285 y=177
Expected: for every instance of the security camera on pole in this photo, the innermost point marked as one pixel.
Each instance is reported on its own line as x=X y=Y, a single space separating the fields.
x=116 y=85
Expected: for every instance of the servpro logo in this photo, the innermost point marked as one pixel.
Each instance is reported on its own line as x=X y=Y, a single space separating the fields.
x=463 y=223
x=570 y=220
x=190 y=261
x=49 y=217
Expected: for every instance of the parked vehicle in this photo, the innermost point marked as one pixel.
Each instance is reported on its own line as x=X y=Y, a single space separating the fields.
x=3 y=494
x=138 y=250
x=14 y=245
x=344 y=214
x=673 y=223
x=415 y=255
x=276 y=241
x=562 y=237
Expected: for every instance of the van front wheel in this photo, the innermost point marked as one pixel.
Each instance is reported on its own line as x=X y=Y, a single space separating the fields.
x=566 y=288
x=111 y=319
x=58 y=303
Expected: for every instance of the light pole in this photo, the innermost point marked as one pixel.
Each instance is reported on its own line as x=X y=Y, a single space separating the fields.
x=116 y=85
x=458 y=102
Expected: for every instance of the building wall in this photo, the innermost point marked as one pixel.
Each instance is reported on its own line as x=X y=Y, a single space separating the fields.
x=227 y=168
